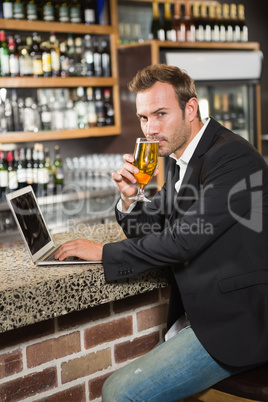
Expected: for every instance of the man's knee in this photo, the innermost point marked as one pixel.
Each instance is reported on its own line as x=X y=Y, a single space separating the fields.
x=111 y=389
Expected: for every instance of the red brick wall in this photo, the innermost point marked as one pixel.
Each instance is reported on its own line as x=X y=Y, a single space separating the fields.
x=68 y=358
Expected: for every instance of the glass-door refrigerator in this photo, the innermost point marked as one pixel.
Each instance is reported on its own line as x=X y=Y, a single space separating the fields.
x=228 y=87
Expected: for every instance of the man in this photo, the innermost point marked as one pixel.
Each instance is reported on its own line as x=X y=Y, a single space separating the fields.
x=209 y=227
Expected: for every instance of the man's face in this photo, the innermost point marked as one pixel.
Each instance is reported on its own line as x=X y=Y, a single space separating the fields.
x=161 y=117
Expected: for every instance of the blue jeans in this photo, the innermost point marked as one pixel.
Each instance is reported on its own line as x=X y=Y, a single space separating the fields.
x=173 y=370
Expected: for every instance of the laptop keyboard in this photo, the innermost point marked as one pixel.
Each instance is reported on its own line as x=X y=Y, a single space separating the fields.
x=51 y=257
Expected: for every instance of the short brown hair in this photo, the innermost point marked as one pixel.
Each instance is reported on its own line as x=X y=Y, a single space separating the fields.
x=182 y=83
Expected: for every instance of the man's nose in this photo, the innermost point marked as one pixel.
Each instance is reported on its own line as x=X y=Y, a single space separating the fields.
x=151 y=128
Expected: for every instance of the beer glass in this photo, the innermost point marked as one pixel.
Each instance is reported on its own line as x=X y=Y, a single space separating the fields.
x=145 y=159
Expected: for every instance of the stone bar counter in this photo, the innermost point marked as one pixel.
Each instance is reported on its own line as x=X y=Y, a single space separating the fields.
x=30 y=294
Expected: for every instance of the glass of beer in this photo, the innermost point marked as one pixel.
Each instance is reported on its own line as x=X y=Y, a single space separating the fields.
x=145 y=159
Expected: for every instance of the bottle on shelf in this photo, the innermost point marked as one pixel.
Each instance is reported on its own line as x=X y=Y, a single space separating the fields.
x=9 y=118
x=4 y=56
x=226 y=118
x=168 y=21
x=31 y=119
x=29 y=167
x=48 y=11
x=100 y=107
x=189 y=23
x=55 y=55
x=105 y=59
x=45 y=113
x=58 y=170
x=3 y=175
x=18 y=10
x=64 y=60
x=42 y=172
x=242 y=23
x=46 y=59
x=13 y=57
x=97 y=59
x=31 y=11
x=12 y=172
x=240 y=120
x=81 y=108
x=178 y=26
x=25 y=59
x=89 y=12
x=35 y=170
x=156 y=31
x=91 y=107
x=109 y=110
x=227 y=23
x=63 y=11
x=205 y=23
x=21 y=168
x=217 y=110
x=79 y=59
x=49 y=167
x=75 y=12
x=70 y=116
x=215 y=27
x=89 y=56
x=16 y=112
x=36 y=55
x=220 y=22
x=7 y=9
x=70 y=53
x=234 y=22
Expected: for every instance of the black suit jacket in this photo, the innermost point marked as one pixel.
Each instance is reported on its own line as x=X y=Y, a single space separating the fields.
x=213 y=235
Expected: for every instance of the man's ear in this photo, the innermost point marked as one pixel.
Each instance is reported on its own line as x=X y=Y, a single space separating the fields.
x=191 y=109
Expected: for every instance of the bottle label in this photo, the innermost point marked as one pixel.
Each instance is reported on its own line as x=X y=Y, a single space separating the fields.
x=43 y=175
x=215 y=33
x=29 y=176
x=18 y=10
x=46 y=59
x=31 y=12
x=21 y=175
x=5 y=70
x=55 y=61
x=3 y=178
x=7 y=10
x=14 y=65
x=244 y=34
x=75 y=15
x=37 y=67
x=59 y=173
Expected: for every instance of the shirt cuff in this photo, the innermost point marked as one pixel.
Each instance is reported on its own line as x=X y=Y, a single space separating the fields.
x=120 y=207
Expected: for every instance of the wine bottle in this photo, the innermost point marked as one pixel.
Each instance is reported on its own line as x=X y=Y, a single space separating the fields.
x=89 y=56
x=234 y=22
x=49 y=167
x=63 y=11
x=109 y=110
x=48 y=11
x=105 y=59
x=46 y=59
x=81 y=108
x=178 y=25
x=79 y=59
x=189 y=25
x=21 y=168
x=167 y=21
x=3 y=175
x=70 y=53
x=31 y=10
x=219 y=21
x=64 y=60
x=226 y=118
x=18 y=10
x=242 y=23
x=100 y=108
x=58 y=170
x=215 y=27
x=25 y=59
x=227 y=23
x=4 y=56
x=13 y=57
x=156 y=31
x=55 y=55
x=206 y=23
x=29 y=167
x=12 y=172
x=42 y=173
x=91 y=106
x=75 y=12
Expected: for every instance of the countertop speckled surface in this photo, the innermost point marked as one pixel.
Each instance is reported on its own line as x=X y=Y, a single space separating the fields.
x=29 y=294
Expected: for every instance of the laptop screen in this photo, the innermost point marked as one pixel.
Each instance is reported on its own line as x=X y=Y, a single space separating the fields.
x=30 y=221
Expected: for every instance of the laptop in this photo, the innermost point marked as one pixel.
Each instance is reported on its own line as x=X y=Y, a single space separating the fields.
x=34 y=230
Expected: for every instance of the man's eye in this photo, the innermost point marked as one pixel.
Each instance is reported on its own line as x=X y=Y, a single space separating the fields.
x=142 y=118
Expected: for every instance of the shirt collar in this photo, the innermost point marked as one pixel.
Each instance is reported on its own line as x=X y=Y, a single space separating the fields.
x=188 y=152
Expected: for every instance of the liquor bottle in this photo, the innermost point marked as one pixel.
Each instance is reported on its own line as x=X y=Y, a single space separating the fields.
x=45 y=115
x=105 y=59
x=100 y=108
x=90 y=12
x=9 y=115
x=205 y=22
x=97 y=59
x=42 y=173
x=48 y=165
x=16 y=112
x=227 y=23
x=156 y=31
x=46 y=59
x=57 y=115
x=234 y=22
x=58 y=170
x=25 y=59
x=242 y=23
x=81 y=108
x=3 y=175
x=197 y=23
x=226 y=118
x=109 y=110
x=217 y=111
x=89 y=55
x=215 y=27
x=21 y=169
x=48 y=11
x=241 y=121
x=31 y=11
x=91 y=106
x=7 y=9
x=12 y=172
x=167 y=21
x=189 y=24
x=35 y=169
x=55 y=55
x=64 y=60
x=79 y=59
x=36 y=55
x=75 y=12
x=18 y=10
x=220 y=22
x=4 y=56
x=70 y=53
x=29 y=167
x=178 y=25
x=31 y=119
x=70 y=116
x=13 y=57
x=64 y=11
